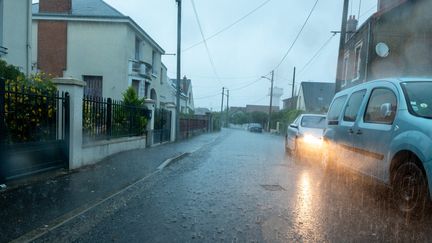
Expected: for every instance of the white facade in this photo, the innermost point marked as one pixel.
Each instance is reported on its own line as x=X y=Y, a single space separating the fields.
x=15 y=33
x=115 y=50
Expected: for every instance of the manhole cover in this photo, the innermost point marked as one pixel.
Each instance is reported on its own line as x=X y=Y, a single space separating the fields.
x=273 y=188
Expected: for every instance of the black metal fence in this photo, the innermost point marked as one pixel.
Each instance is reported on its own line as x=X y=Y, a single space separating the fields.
x=104 y=118
x=31 y=115
x=162 y=126
x=34 y=129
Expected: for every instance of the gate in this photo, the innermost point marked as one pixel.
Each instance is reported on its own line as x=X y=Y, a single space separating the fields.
x=34 y=131
x=162 y=126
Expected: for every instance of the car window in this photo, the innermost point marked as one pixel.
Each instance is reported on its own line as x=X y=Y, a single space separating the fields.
x=419 y=99
x=335 y=109
x=353 y=106
x=313 y=122
x=375 y=111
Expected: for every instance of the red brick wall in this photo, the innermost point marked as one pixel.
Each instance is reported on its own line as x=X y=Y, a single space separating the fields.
x=55 y=6
x=52 y=47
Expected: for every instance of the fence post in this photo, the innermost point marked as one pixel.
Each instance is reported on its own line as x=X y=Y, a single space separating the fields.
x=151 y=105
x=109 y=118
x=172 y=109
x=75 y=88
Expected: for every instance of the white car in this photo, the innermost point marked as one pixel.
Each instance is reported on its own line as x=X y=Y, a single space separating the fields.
x=304 y=136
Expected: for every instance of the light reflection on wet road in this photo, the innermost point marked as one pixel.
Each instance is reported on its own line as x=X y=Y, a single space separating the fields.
x=244 y=188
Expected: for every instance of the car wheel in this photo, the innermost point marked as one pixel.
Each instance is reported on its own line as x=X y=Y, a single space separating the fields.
x=287 y=149
x=297 y=151
x=410 y=190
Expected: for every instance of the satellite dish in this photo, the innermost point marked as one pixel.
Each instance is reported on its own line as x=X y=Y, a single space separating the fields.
x=382 y=49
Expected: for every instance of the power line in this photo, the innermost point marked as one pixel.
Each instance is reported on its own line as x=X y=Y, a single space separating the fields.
x=208 y=96
x=227 y=27
x=205 y=41
x=316 y=54
x=298 y=35
x=247 y=85
x=367 y=11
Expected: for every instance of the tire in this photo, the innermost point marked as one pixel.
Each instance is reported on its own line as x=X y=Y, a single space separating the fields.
x=410 y=189
x=287 y=150
x=297 y=151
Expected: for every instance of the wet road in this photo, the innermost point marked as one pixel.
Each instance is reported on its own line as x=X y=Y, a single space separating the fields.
x=243 y=188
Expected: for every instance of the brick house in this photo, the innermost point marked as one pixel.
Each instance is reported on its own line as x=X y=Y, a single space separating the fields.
x=91 y=41
x=401 y=25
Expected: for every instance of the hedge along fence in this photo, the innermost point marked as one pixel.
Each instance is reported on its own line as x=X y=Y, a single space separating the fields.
x=104 y=119
x=29 y=108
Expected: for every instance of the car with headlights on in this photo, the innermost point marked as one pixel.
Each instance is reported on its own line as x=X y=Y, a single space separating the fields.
x=304 y=135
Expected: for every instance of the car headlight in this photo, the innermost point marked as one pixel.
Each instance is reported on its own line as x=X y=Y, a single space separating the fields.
x=312 y=140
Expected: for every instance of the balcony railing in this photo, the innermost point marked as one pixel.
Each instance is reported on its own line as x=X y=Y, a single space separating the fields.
x=3 y=50
x=142 y=69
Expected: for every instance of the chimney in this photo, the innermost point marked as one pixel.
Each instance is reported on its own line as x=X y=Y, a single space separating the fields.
x=55 y=6
x=351 y=26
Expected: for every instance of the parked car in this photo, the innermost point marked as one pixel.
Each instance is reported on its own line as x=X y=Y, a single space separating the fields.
x=383 y=129
x=304 y=135
x=255 y=127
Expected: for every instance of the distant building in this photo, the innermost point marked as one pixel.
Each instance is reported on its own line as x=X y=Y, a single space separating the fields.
x=186 y=99
x=16 y=33
x=277 y=94
x=290 y=103
x=261 y=108
x=91 y=41
x=393 y=42
x=315 y=97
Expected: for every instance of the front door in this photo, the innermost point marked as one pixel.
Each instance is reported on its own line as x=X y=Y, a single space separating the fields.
x=351 y=115
x=375 y=130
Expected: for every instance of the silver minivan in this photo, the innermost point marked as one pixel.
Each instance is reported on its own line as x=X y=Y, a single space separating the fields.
x=383 y=129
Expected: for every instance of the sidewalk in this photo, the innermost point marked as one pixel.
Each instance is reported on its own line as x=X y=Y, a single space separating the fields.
x=32 y=206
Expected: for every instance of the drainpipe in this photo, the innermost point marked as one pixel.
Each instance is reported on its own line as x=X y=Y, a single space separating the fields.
x=368 y=50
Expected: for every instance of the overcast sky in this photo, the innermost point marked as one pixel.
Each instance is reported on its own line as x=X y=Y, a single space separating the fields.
x=251 y=48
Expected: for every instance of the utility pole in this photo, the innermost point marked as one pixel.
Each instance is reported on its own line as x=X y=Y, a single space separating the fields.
x=221 y=114
x=271 y=100
x=293 y=82
x=227 y=111
x=179 y=4
x=339 y=71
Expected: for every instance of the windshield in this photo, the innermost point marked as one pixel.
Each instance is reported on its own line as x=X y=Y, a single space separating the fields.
x=313 y=122
x=419 y=98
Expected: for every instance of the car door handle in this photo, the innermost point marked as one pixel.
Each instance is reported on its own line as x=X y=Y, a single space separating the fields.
x=350 y=131
x=359 y=132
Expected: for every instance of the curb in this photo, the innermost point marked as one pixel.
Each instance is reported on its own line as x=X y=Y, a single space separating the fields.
x=173 y=159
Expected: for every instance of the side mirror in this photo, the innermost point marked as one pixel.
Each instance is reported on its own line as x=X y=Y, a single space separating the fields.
x=293 y=125
x=386 y=110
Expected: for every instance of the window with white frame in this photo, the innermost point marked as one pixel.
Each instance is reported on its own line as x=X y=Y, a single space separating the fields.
x=357 y=61
x=137 y=48
x=345 y=70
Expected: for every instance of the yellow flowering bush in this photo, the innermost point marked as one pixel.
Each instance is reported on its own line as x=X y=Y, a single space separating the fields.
x=30 y=108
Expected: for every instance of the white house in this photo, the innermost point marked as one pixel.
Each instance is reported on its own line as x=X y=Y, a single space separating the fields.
x=186 y=99
x=91 y=41
x=15 y=33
